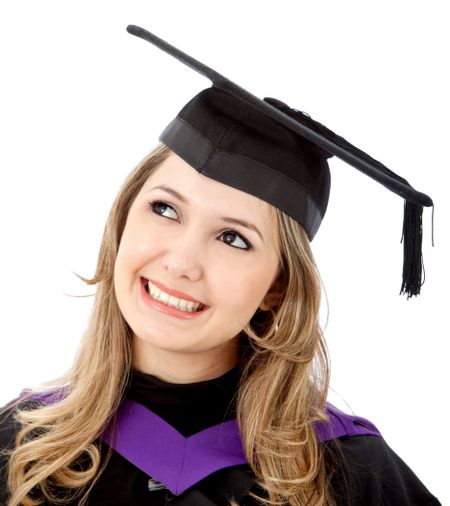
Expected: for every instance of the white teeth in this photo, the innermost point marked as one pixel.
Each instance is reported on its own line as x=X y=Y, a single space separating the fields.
x=173 y=301
x=183 y=305
x=163 y=297
x=170 y=300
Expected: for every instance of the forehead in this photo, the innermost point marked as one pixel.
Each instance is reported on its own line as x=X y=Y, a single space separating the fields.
x=204 y=192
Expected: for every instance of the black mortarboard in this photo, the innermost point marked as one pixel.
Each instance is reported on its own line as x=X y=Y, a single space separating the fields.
x=279 y=154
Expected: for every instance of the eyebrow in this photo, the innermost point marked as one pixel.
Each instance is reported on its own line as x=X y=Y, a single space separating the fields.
x=228 y=219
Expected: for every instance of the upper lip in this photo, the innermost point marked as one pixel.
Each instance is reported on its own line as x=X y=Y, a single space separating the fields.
x=172 y=291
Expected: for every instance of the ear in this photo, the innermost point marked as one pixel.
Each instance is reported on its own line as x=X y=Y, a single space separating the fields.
x=273 y=296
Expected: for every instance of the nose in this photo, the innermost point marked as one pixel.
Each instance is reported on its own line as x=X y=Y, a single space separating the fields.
x=183 y=255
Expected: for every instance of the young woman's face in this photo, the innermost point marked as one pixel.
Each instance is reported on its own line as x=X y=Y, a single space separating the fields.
x=178 y=237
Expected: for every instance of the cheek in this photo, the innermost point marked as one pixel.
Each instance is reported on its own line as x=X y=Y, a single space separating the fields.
x=242 y=292
x=132 y=257
x=134 y=251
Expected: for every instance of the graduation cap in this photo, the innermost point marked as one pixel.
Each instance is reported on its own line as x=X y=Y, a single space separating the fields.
x=278 y=154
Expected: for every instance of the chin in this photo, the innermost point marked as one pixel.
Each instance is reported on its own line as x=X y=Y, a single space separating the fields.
x=163 y=341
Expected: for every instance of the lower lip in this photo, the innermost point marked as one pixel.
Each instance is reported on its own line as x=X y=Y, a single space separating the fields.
x=164 y=308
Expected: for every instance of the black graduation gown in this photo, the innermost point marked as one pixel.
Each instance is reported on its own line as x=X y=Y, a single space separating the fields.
x=370 y=472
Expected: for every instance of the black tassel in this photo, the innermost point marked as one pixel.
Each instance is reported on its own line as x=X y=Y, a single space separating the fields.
x=412 y=249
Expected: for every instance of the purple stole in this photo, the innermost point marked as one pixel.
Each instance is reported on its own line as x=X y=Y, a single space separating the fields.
x=178 y=462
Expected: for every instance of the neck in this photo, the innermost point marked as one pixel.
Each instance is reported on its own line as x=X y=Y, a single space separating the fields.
x=181 y=367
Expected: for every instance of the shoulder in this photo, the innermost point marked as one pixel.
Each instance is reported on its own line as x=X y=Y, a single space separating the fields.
x=341 y=424
x=27 y=401
x=9 y=428
x=365 y=470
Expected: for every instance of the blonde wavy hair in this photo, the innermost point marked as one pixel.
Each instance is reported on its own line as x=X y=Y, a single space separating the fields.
x=282 y=393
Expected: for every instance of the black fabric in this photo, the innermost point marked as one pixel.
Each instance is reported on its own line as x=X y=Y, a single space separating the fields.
x=278 y=154
x=189 y=408
x=323 y=140
x=370 y=473
x=227 y=140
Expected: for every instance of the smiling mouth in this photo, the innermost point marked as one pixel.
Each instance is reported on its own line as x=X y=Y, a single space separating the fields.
x=171 y=301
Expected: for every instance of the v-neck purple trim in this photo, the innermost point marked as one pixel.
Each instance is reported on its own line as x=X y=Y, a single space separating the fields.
x=178 y=462
x=156 y=448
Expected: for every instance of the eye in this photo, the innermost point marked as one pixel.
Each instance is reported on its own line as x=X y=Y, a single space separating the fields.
x=234 y=234
x=159 y=207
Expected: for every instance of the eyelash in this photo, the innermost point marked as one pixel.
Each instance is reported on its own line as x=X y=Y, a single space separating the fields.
x=154 y=203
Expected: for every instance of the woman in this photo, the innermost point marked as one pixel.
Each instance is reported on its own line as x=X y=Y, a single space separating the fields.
x=206 y=311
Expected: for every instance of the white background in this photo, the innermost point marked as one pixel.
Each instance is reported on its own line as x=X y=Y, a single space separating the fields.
x=82 y=101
